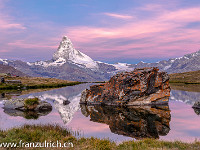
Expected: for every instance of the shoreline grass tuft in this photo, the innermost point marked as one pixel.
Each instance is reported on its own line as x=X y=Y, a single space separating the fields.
x=41 y=133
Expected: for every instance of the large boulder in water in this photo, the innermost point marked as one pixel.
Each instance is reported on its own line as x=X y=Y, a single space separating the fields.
x=139 y=87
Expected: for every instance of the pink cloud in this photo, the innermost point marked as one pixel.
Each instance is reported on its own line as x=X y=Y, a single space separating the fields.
x=182 y=15
x=6 y=25
x=159 y=34
x=6 y=22
x=119 y=16
x=152 y=7
x=23 y=44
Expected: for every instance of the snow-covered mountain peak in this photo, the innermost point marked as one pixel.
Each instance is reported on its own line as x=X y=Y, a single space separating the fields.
x=65 y=49
x=3 y=61
x=70 y=54
x=66 y=44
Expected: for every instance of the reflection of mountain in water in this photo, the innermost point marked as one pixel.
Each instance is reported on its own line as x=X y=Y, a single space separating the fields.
x=185 y=96
x=57 y=96
x=66 y=111
x=137 y=122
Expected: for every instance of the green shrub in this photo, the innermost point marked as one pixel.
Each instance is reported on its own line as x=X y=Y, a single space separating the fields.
x=31 y=103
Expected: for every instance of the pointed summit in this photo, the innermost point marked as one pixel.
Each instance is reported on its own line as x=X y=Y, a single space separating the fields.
x=67 y=52
x=65 y=49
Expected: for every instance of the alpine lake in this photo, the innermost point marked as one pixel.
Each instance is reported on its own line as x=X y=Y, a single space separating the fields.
x=175 y=121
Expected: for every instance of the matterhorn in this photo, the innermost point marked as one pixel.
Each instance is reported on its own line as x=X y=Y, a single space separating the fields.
x=67 y=52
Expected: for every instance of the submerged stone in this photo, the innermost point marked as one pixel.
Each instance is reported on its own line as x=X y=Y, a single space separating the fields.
x=140 y=87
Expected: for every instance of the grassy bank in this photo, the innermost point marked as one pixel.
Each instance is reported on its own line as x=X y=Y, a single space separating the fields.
x=40 y=133
x=36 y=83
x=192 y=77
x=185 y=87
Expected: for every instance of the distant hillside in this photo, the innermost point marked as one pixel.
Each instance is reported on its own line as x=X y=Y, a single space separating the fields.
x=11 y=70
x=186 y=77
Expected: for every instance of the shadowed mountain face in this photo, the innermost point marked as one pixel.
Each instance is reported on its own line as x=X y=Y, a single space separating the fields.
x=11 y=70
x=137 y=122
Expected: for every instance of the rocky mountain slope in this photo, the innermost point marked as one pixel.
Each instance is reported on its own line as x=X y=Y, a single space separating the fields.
x=11 y=70
x=189 y=62
x=71 y=64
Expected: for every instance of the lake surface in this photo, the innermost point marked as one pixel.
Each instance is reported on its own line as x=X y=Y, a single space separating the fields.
x=176 y=121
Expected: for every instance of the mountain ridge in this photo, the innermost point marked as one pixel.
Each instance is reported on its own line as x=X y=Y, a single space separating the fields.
x=71 y=64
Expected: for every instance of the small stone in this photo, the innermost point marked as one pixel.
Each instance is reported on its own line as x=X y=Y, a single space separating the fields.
x=66 y=102
x=43 y=106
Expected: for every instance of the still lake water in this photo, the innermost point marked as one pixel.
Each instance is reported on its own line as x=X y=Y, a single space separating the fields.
x=178 y=121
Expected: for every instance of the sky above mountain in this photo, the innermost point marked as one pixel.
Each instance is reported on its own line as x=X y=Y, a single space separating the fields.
x=106 y=30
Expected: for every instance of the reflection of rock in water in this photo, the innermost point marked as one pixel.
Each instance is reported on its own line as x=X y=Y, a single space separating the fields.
x=196 y=107
x=26 y=114
x=134 y=121
x=197 y=111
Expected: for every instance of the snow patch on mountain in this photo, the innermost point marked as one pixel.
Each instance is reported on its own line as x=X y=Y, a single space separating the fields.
x=123 y=67
x=4 y=61
x=58 y=62
x=167 y=67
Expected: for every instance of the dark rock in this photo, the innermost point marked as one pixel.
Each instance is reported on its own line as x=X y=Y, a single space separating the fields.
x=14 y=104
x=2 y=80
x=66 y=102
x=134 y=121
x=197 y=111
x=139 y=87
x=196 y=105
x=43 y=106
